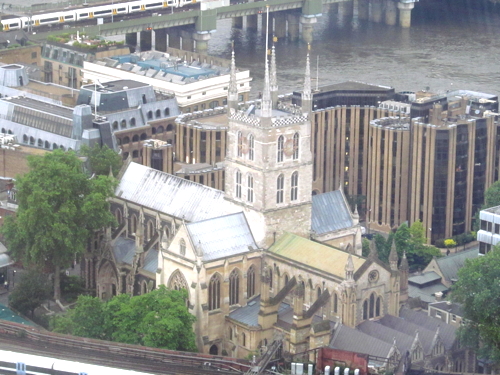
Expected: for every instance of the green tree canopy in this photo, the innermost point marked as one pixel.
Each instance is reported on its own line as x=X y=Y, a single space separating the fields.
x=478 y=290
x=158 y=319
x=30 y=292
x=492 y=195
x=101 y=159
x=58 y=208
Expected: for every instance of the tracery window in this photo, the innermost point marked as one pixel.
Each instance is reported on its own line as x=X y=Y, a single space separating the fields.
x=214 y=292
x=251 y=282
x=234 y=287
x=240 y=144
x=294 y=186
x=295 y=146
x=251 y=145
x=177 y=281
x=280 y=185
x=238 y=184
x=281 y=143
x=250 y=188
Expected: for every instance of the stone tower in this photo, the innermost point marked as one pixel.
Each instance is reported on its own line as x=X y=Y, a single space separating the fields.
x=269 y=168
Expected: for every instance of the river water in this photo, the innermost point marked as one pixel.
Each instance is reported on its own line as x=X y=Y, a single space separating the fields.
x=450 y=45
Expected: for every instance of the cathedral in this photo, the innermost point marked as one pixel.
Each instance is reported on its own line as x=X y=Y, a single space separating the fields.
x=262 y=259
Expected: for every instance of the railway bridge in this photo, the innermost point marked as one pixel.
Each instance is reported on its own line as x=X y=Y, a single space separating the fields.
x=191 y=29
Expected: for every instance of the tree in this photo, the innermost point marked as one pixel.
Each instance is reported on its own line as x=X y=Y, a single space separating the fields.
x=101 y=159
x=58 y=209
x=30 y=292
x=492 y=195
x=159 y=319
x=450 y=243
x=365 y=247
x=478 y=290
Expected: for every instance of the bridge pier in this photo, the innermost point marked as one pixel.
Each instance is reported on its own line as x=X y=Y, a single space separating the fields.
x=238 y=22
x=264 y=23
x=376 y=11
x=252 y=22
x=307 y=28
x=201 y=41
x=293 y=26
x=279 y=24
x=405 y=14
x=174 y=38
x=187 y=40
x=346 y=8
x=145 y=41
x=391 y=13
x=363 y=9
x=161 y=40
x=131 y=39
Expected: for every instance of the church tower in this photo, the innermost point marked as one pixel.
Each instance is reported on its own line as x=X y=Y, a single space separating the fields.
x=269 y=168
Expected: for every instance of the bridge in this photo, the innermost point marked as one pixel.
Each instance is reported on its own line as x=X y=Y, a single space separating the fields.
x=194 y=27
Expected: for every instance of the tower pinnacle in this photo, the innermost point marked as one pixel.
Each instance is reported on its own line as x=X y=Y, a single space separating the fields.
x=232 y=93
x=306 y=94
x=274 y=79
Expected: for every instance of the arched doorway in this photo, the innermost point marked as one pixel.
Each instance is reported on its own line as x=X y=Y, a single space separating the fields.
x=214 y=350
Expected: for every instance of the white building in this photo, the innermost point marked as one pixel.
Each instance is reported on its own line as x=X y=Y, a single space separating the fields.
x=489 y=232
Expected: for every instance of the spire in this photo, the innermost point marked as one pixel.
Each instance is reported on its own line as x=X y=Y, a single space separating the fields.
x=404 y=262
x=266 y=105
x=349 y=268
x=393 y=257
x=274 y=79
x=232 y=92
x=373 y=251
x=306 y=95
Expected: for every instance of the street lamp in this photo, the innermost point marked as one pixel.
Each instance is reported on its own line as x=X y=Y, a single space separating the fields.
x=13 y=278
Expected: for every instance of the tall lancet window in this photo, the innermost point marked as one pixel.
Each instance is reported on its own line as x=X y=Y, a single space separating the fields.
x=280 y=186
x=214 y=292
x=295 y=146
x=234 y=287
x=251 y=282
x=281 y=144
x=240 y=144
x=238 y=184
x=251 y=145
x=294 y=186
x=250 y=188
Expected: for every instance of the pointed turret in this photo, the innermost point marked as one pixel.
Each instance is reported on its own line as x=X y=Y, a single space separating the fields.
x=393 y=257
x=404 y=263
x=349 y=268
x=266 y=105
x=306 y=94
x=232 y=92
x=274 y=80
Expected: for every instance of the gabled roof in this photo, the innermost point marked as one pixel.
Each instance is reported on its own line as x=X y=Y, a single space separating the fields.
x=424 y=278
x=124 y=250
x=314 y=254
x=454 y=308
x=330 y=212
x=387 y=334
x=426 y=293
x=449 y=265
x=221 y=236
x=151 y=261
x=169 y=194
x=353 y=340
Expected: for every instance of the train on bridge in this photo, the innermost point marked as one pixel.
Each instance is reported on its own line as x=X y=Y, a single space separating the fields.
x=70 y=16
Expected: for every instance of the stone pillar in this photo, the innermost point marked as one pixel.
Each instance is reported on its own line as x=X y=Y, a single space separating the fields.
x=307 y=28
x=161 y=40
x=174 y=38
x=293 y=26
x=363 y=9
x=153 y=40
x=252 y=22
x=391 y=13
x=405 y=14
x=238 y=22
x=201 y=41
x=280 y=25
x=145 y=40
x=187 y=40
x=376 y=14
x=346 y=8
x=138 y=42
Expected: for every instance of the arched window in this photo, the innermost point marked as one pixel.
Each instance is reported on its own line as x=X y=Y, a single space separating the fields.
x=243 y=339
x=286 y=279
x=143 y=136
x=3 y=130
x=280 y=185
x=150 y=115
x=213 y=104
x=214 y=350
x=170 y=127
x=230 y=333
x=182 y=247
x=135 y=154
x=167 y=111
x=238 y=184
x=133 y=224
x=153 y=130
x=135 y=138
x=10 y=132
x=281 y=142
x=250 y=282
x=115 y=125
x=32 y=141
x=318 y=292
x=365 y=310
x=123 y=124
x=158 y=113
x=214 y=293
x=296 y=146
x=372 y=306
x=119 y=141
x=377 y=307
x=335 y=303
x=240 y=144
x=40 y=143
x=250 y=188
x=294 y=186
x=118 y=216
x=25 y=138
x=178 y=282
x=150 y=230
x=144 y=101
x=62 y=147
x=132 y=121
x=47 y=144
x=126 y=140
x=270 y=277
x=54 y=146
x=234 y=287
x=251 y=147
x=160 y=129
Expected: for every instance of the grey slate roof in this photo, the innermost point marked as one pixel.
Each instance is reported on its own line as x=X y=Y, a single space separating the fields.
x=426 y=293
x=151 y=261
x=222 y=236
x=124 y=250
x=454 y=308
x=330 y=212
x=424 y=278
x=387 y=334
x=169 y=194
x=450 y=264
x=353 y=340
x=247 y=314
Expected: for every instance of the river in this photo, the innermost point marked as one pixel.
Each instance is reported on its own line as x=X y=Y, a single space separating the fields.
x=450 y=45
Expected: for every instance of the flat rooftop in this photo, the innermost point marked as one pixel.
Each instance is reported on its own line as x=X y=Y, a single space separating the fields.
x=41 y=106
x=115 y=86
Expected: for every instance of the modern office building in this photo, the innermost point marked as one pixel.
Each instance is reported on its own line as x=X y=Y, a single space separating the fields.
x=488 y=235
